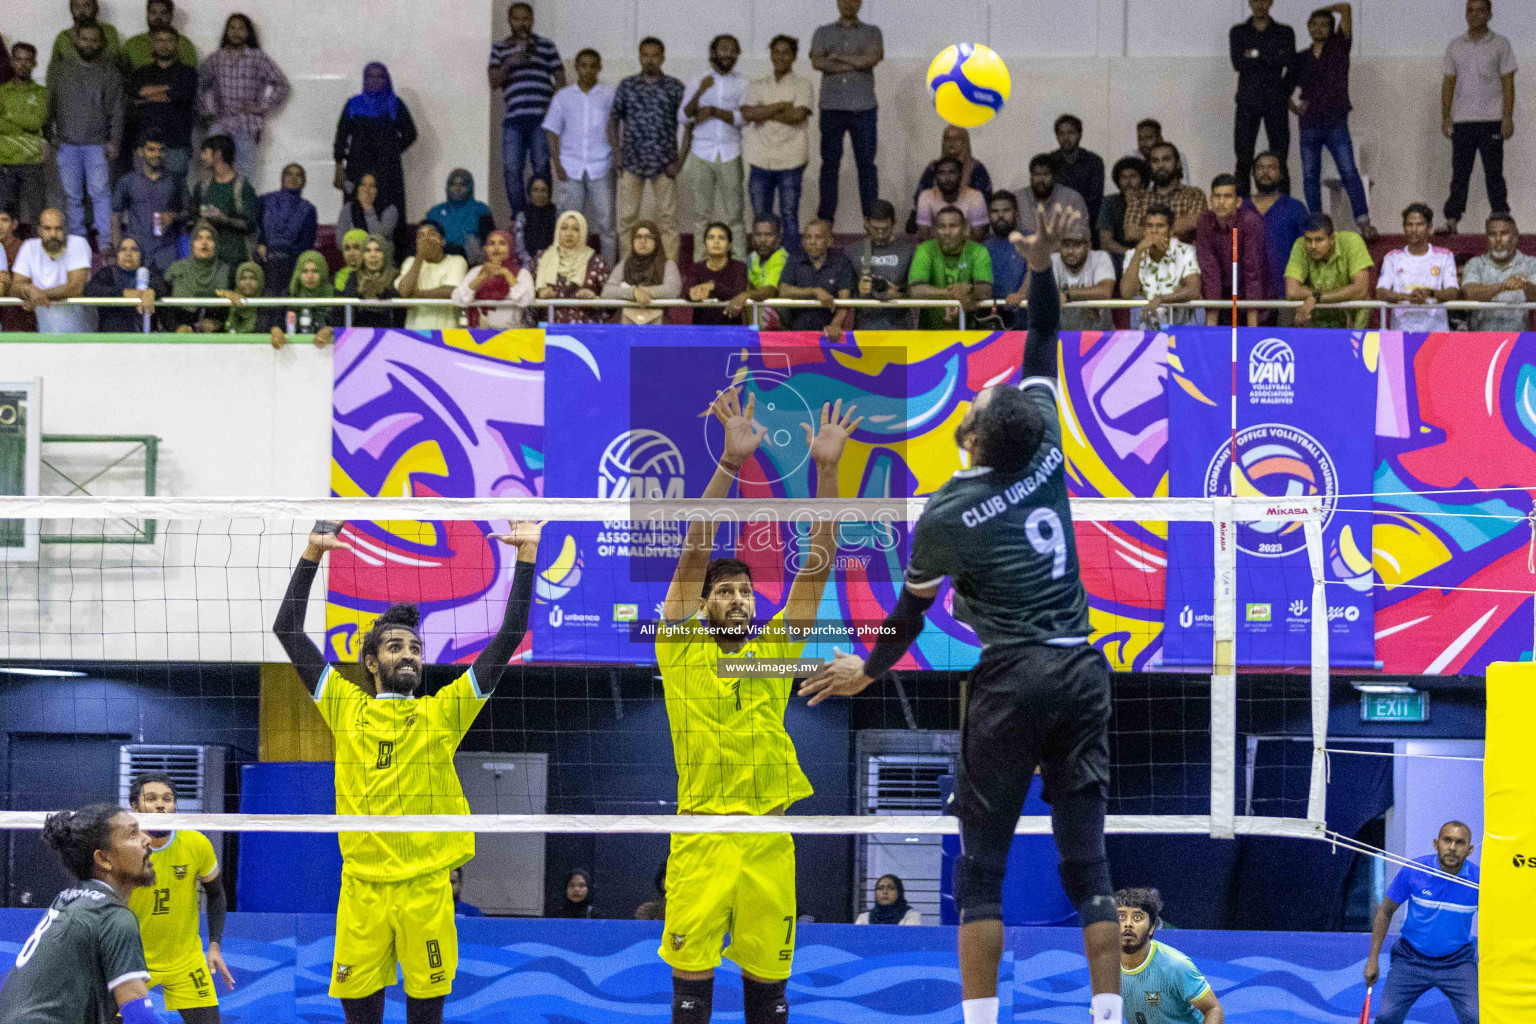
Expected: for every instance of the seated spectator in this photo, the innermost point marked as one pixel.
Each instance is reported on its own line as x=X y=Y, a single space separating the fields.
x=891 y=906
x=311 y=279
x=460 y=908
x=956 y=144
x=655 y=909
x=1285 y=218
x=251 y=283
x=536 y=224
x=718 y=277
x=765 y=265
x=950 y=266
x=148 y=204
x=1186 y=201
x=947 y=191
x=1008 y=267
x=578 y=896
x=431 y=274
x=374 y=280
x=239 y=86
x=1502 y=274
x=1132 y=175
x=1213 y=250
x=1417 y=274
x=645 y=274
x=352 y=243
x=23 y=112
x=226 y=202
x=501 y=278
x=288 y=227
x=1162 y=270
x=50 y=268
x=465 y=220
x=1079 y=169
x=162 y=97
x=365 y=212
x=1083 y=274
x=885 y=262
x=570 y=269
x=12 y=318
x=200 y=276
x=1045 y=193
x=86 y=110
x=1327 y=267
x=1149 y=135
x=85 y=12
x=820 y=272
x=122 y=280
x=372 y=135
x=138 y=51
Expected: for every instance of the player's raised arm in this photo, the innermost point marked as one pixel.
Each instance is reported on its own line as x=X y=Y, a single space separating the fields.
x=1044 y=299
x=514 y=623
x=826 y=443
x=742 y=436
x=289 y=625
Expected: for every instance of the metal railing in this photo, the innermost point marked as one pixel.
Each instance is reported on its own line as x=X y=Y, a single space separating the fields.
x=348 y=305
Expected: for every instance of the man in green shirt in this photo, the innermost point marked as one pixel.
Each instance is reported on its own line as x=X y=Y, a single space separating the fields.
x=84 y=12
x=226 y=201
x=138 y=52
x=765 y=264
x=950 y=266
x=1325 y=267
x=23 y=112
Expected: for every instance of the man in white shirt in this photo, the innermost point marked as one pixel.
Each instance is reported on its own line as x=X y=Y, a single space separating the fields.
x=50 y=268
x=1162 y=270
x=776 y=138
x=712 y=173
x=1477 y=109
x=1083 y=274
x=431 y=274
x=581 y=155
x=1417 y=274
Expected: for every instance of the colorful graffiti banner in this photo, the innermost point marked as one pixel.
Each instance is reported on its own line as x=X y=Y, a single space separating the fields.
x=1305 y=402
x=457 y=414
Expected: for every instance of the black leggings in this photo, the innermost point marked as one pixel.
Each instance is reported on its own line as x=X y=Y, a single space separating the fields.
x=1077 y=820
x=370 y=1009
x=200 y=1015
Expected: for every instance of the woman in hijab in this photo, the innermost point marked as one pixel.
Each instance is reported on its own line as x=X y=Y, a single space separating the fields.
x=973 y=173
x=645 y=274
x=374 y=132
x=891 y=905
x=465 y=220
x=365 y=211
x=120 y=280
x=251 y=283
x=578 y=896
x=374 y=280
x=311 y=280
x=500 y=278
x=352 y=242
x=536 y=224
x=200 y=276
x=569 y=269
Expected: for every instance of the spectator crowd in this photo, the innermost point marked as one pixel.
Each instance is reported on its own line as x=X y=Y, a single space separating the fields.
x=153 y=148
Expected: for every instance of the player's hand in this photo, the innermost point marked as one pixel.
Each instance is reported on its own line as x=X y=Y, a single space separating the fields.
x=1051 y=226
x=525 y=537
x=217 y=965
x=326 y=536
x=742 y=433
x=1372 y=970
x=837 y=425
x=843 y=676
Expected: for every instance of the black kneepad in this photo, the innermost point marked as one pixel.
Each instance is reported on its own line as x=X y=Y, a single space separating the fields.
x=765 y=1001
x=692 y=1000
x=1089 y=888
x=978 y=890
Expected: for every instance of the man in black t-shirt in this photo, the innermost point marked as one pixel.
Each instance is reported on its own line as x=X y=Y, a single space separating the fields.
x=1001 y=531
x=84 y=963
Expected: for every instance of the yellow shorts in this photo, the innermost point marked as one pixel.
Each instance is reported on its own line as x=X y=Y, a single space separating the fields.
x=381 y=924
x=188 y=987
x=743 y=884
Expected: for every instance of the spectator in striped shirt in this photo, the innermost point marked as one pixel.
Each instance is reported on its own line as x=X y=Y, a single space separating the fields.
x=527 y=69
x=239 y=85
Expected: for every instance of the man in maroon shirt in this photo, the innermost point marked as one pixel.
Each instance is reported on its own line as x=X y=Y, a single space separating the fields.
x=1322 y=72
x=1213 y=249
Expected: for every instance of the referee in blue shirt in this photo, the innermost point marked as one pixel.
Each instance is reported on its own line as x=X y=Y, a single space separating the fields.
x=1436 y=948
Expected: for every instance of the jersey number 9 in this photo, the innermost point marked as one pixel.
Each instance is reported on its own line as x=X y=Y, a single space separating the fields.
x=1053 y=543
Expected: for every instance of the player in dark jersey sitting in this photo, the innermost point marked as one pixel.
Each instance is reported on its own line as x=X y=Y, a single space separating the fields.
x=1001 y=530
x=84 y=963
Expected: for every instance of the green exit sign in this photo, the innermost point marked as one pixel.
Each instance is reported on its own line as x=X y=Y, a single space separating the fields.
x=1394 y=707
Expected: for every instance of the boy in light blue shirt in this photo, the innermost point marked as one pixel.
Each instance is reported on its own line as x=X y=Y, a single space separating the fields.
x=1158 y=984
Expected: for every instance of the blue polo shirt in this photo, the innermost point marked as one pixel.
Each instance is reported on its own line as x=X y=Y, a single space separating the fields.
x=1285 y=222
x=1440 y=910
x=1008 y=270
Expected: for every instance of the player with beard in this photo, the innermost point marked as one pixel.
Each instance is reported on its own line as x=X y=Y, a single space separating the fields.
x=1159 y=984
x=394 y=755
x=84 y=963
x=168 y=911
x=733 y=753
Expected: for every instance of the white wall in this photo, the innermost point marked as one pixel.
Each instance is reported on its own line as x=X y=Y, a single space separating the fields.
x=435 y=52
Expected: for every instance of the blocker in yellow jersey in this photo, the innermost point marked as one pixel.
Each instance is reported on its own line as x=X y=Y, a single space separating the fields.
x=379 y=924
x=168 y=920
x=744 y=883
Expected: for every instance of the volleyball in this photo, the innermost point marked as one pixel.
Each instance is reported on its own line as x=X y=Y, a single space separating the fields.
x=969 y=83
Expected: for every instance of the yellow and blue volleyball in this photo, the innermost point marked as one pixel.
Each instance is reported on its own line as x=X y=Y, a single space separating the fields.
x=969 y=83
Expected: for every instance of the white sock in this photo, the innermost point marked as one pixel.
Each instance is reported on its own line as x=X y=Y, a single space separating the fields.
x=980 y=1011
x=1107 y=1008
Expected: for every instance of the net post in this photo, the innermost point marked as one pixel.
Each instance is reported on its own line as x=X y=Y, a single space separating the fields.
x=1317 y=792
x=1224 y=673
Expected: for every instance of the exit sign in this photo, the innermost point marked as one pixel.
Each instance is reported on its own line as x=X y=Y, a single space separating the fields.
x=1394 y=707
